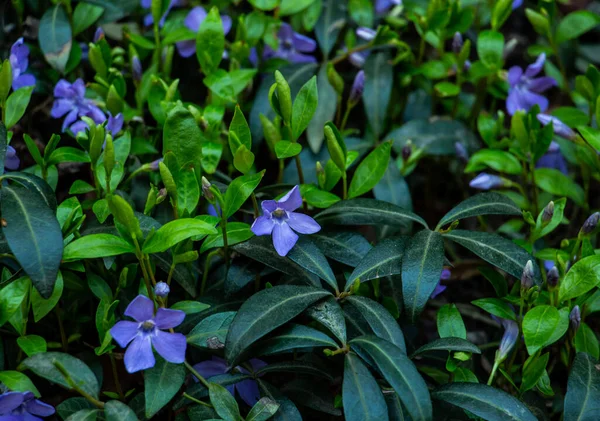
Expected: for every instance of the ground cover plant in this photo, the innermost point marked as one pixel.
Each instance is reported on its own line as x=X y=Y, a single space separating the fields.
x=299 y=210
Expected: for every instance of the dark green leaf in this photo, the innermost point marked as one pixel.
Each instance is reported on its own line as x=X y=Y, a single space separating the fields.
x=583 y=390
x=393 y=188
x=586 y=341
x=182 y=136
x=448 y=344
x=554 y=182
x=118 y=411
x=379 y=78
x=329 y=313
x=84 y=415
x=326 y=107
x=55 y=37
x=298 y=366
x=481 y=204
x=161 y=383
x=307 y=255
x=175 y=232
x=345 y=246
x=362 y=397
x=37 y=184
x=214 y=326
x=329 y=25
x=576 y=24
x=72 y=405
x=292 y=339
x=263 y=410
x=224 y=404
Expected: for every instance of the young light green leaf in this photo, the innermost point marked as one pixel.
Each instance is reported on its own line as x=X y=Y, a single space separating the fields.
x=16 y=104
x=240 y=190
x=576 y=24
x=305 y=105
x=182 y=136
x=285 y=149
x=239 y=132
x=538 y=326
x=96 y=245
x=175 y=232
x=581 y=278
x=490 y=46
x=18 y=382
x=370 y=170
x=210 y=42
x=450 y=323
x=236 y=233
x=497 y=307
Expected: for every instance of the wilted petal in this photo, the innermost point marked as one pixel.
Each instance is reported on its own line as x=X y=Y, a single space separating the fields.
x=166 y=318
x=124 y=332
x=170 y=346
x=536 y=67
x=140 y=309
x=283 y=239
x=514 y=75
x=303 y=224
x=139 y=355
x=291 y=201
x=195 y=18
x=262 y=225
x=248 y=390
x=541 y=84
x=186 y=48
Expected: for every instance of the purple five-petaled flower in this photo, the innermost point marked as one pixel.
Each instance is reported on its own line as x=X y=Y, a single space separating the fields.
x=280 y=220
x=11 y=161
x=293 y=46
x=146 y=333
x=525 y=88
x=149 y=20
x=193 y=21
x=247 y=389
x=23 y=406
x=70 y=100
x=485 y=181
x=19 y=61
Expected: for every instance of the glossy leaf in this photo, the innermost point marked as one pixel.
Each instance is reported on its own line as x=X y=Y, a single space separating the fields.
x=182 y=136
x=96 y=245
x=118 y=411
x=448 y=344
x=294 y=338
x=214 y=326
x=583 y=389
x=18 y=382
x=236 y=233
x=240 y=190
x=497 y=307
x=56 y=40
x=581 y=278
x=481 y=204
x=305 y=105
x=307 y=255
x=343 y=246
x=538 y=325
x=224 y=404
x=329 y=313
x=362 y=397
x=161 y=383
x=370 y=170
x=450 y=323
x=175 y=232
x=210 y=42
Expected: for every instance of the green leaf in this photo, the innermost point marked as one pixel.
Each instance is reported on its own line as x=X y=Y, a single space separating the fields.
x=44 y=365
x=239 y=132
x=16 y=104
x=497 y=307
x=290 y=7
x=176 y=231
x=243 y=160
x=36 y=184
x=293 y=338
x=368 y=212
x=329 y=25
x=362 y=397
x=379 y=320
x=481 y=204
x=285 y=149
x=583 y=389
x=370 y=170
x=32 y=344
x=490 y=46
x=190 y=307
x=264 y=409
x=3 y=140
x=399 y=372
x=11 y=297
x=484 y=401
x=538 y=325
x=325 y=112
x=18 y=382
x=586 y=341
x=450 y=323
x=240 y=190
x=307 y=255
x=264 y=4
x=393 y=188
x=84 y=16
x=554 y=182
x=264 y=312
x=329 y=313
x=33 y=235
x=96 y=245
x=576 y=24
x=557 y=217
x=421 y=270
x=384 y=259
x=210 y=42
x=305 y=105
x=316 y=197
x=498 y=160
x=81 y=187
x=214 y=326
x=118 y=411
x=581 y=278
x=84 y=415
x=533 y=370
x=448 y=344
x=496 y=250
x=55 y=37
x=379 y=78
x=72 y=405
x=236 y=233
x=224 y=404
x=343 y=246
x=182 y=136
x=161 y=383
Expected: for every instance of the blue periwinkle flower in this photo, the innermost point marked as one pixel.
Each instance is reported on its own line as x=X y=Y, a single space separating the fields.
x=280 y=220
x=525 y=88
x=162 y=289
x=23 y=406
x=439 y=288
x=560 y=128
x=154 y=164
x=485 y=181
x=11 y=161
x=516 y=4
x=511 y=332
x=98 y=35
x=193 y=21
x=553 y=158
x=293 y=46
x=19 y=61
x=70 y=100
x=457 y=42
x=247 y=389
x=147 y=333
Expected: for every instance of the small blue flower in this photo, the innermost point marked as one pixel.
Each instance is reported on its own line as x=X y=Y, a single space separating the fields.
x=98 y=35
x=280 y=220
x=525 y=88
x=149 y=20
x=293 y=46
x=516 y=4
x=19 y=61
x=154 y=164
x=147 y=333
x=70 y=100
x=439 y=288
x=485 y=181
x=23 y=406
x=553 y=158
x=382 y=6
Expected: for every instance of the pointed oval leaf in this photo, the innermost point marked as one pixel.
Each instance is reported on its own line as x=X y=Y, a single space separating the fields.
x=118 y=411
x=421 y=269
x=55 y=39
x=496 y=250
x=264 y=312
x=329 y=313
x=214 y=326
x=481 y=204
x=33 y=182
x=305 y=105
x=361 y=395
x=236 y=233
x=448 y=344
x=182 y=136
x=379 y=78
x=484 y=401
x=368 y=212
x=582 y=277
x=400 y=373
x=240 y=190
x=343 y=246
x=538 y=326
x=295 y=337
x=583 y=389
x=176 y=231
x=223 y=402
x=307 y=255
x=161 y=383
x=96 y=245
x=33 y=235
x=210 y=42
x=370 y=170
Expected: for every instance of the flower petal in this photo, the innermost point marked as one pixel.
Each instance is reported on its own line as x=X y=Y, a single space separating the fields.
x=139 y=355
x=78 y=126
x=195 y=18
x=63 y=89
x=514 y=75
x=262 y=225
x=23 y=81
x=170 y=346
x=166 y=318
x=286 y=33
x=248 y=390
x=61 y=107
x=70 y=118
x=268 y=206
x=186 y=48
x=39 y=408
x=541 y=84
x=226 y=20
x=303 y=224
x=11 y=161
x=536 y=67
x=291 y=201
x=79 y=88
x=301 y=58
x=124 y=332
x=10 y=401
x=304 y=44
x=140 y=309
x=210 y=368
x=283 y=238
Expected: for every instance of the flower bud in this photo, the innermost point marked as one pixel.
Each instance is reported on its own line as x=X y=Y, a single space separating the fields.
x=284 y=96
x=590 y=224
x=548 y=212
x=486 y=181
x=461 y=152
x=162 y=195
x=457 y=42
x=335 y=150
x=365 y=33
x=560 y=128
x=154 y=164
x=206 y=191
x=575 y=318
x=527 y=276
x=136 y=68
x=162 y=289
x=553 y=277
x=321 y=176
x=406 y=151
x=358 y=87
x=511 y=332
x=98 y=35
x=168 y=180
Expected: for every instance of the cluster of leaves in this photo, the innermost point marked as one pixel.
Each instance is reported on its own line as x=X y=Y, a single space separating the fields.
x=173 y=155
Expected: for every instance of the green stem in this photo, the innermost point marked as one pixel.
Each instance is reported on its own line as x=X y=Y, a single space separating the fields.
x=76 y=387
x=493 y=373
x=421 y=51
x=116 y=376
x=345 y=185
x=224 y=229
x=209 y=257
x=141 y=259
x=350 y=52
x=61 y=328
x=345 y=119
x=255 y=205
x=195 y=373
x=198 y=401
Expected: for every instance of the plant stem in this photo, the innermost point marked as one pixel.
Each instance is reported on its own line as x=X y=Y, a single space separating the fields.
x=199 y=402
x=350 y=52
x=61 y=328
x=224 y=229
x=255 y=205
x=195 y=373
x=344 y=185
x=209 y=257
x=116 y=376
x=493 y=373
